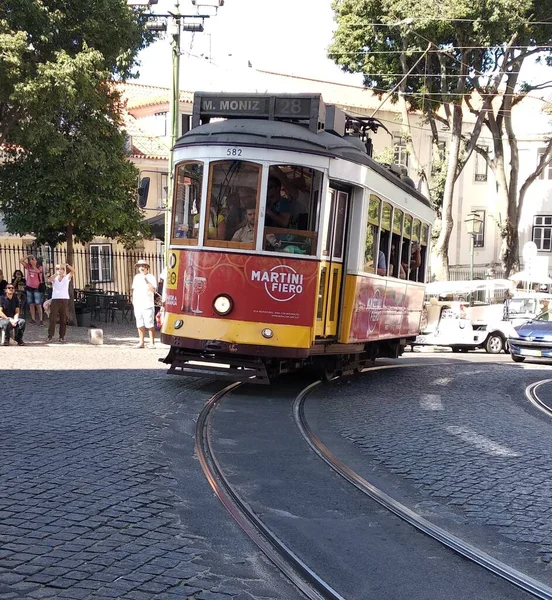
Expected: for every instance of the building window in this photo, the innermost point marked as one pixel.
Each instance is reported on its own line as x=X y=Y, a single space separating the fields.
x=481 y=166
x=542 y=232
x=101 y=263
x=547 y=172
x=400 y=154
x=186 y=124
x=479 y=238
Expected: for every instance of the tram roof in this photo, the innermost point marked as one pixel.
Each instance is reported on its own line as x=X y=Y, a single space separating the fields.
x=279 y=135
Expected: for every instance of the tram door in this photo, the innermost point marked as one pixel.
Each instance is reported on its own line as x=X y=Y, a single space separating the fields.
x=331 y=275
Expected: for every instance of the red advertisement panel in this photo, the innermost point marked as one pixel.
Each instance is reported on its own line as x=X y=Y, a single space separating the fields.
x=263 y=288
x=385 y=308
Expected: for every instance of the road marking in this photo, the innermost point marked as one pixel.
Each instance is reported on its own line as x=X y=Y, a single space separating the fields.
x=481 y=442
x=431 y=402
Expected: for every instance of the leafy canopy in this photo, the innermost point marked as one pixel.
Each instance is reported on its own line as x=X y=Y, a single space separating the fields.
x=66 y=170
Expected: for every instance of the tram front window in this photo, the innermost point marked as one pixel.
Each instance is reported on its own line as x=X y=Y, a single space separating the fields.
x=233 y=204
x=187 y=203
x=292 y=207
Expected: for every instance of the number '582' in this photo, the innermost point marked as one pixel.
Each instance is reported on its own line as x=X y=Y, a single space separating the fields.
x=233 y=152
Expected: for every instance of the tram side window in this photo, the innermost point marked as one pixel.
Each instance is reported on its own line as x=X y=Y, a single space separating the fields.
x=395 y=265
x=233 y=204
x=372 y=247
x=187 y=203
x=292 y=209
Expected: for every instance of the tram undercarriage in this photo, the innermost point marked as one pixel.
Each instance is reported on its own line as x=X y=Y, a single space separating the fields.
x=327 y=360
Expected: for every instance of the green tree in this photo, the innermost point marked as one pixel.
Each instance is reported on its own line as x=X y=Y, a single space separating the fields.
x=432 y=63
x=66 y=173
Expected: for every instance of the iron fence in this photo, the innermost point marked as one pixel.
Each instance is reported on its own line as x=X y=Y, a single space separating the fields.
x=98 y=266
x=463 y=274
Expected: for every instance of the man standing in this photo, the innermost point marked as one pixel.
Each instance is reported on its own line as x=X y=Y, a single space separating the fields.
x=9 y=317
x=143 y=302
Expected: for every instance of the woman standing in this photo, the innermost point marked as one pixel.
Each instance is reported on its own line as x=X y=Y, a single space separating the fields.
x=34 y=278
x=60 y=300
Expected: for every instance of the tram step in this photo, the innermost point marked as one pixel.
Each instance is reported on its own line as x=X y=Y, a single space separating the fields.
x=232 y=369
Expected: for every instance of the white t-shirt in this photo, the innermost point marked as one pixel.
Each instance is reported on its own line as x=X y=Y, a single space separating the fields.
x=60 y=289
x=142 y=296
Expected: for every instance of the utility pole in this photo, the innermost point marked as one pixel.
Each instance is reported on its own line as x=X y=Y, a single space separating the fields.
x=178 y=23
x=174 y=113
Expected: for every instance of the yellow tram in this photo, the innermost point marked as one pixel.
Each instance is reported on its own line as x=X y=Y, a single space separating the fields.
x=289 y=245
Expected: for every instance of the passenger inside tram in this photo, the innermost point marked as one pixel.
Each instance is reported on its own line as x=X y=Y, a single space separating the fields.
x=292 y=209
x=246 y=233
x=278 y=207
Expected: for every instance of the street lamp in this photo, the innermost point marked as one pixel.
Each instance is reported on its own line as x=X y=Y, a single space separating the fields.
x=473 y=225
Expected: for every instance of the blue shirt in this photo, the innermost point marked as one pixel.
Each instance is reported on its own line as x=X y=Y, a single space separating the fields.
x=280 y=207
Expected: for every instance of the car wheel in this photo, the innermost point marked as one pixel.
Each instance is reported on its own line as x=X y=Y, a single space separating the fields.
x=517 y=358
x=494 y=344
x=455 y=349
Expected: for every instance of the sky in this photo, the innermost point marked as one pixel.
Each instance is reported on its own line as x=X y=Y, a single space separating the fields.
x=285 y=36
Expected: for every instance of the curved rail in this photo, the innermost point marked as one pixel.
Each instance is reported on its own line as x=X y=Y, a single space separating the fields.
x=463 y=548
x=532 y=396
x=312 y=586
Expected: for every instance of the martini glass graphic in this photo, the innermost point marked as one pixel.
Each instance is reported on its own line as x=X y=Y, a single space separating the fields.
x=199 y=286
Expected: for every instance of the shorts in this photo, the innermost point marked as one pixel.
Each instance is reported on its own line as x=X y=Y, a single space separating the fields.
x=33 y=296
x=144 y=317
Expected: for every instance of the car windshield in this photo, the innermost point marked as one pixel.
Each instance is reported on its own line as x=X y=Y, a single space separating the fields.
x=522 y=306
x=544 y=316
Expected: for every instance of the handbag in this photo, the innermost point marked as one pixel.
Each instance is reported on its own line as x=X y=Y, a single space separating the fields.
x=157 y=301
x=159 y=318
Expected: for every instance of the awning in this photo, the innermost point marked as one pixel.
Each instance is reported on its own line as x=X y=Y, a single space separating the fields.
x=157 y=226
x=527 y=277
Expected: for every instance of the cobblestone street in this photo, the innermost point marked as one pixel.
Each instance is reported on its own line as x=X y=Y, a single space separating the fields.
x=458 y=443
x=100 y=496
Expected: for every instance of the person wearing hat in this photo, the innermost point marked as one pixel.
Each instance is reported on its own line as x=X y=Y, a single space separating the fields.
x=143 y=302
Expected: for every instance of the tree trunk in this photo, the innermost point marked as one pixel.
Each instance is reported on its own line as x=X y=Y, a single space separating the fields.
x=441 y=262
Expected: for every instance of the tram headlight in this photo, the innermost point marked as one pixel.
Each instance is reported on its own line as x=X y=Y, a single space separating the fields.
x=267 y=333
x=223 y=305
x=178 y=323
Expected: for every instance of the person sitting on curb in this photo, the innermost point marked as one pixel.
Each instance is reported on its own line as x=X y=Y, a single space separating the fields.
x=9 y=317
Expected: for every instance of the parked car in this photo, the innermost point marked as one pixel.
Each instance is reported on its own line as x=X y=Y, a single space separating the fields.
x=463 y=325
x=533 y=338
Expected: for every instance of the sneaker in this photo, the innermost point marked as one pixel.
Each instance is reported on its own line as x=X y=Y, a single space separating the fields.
x=41 y=323
x=49 y=340
x=62 y=341
x=139 y=346
x=6 y=344
x=20 y=343
x=33 y=322
x=152 y=346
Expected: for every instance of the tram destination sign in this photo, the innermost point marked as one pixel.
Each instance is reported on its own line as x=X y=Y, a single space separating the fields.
x=289 y=107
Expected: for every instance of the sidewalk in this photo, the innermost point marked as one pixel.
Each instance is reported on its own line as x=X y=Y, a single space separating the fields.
x=114 y=334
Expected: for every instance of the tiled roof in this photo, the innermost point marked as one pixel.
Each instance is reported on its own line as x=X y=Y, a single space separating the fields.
x=138 y=95
x=143 y=145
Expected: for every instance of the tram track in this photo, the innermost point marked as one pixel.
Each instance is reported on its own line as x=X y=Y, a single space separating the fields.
x=533 y=397
x=298 y=572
